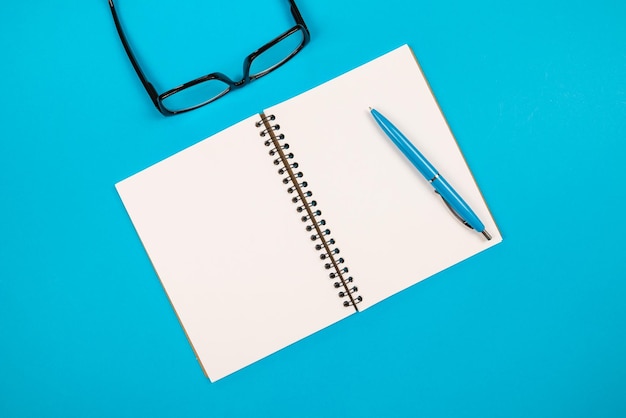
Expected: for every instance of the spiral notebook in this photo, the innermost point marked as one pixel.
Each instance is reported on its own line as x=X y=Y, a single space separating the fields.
x=299 y=216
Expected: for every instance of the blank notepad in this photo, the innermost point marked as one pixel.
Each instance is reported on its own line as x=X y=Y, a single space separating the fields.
x=232 y=230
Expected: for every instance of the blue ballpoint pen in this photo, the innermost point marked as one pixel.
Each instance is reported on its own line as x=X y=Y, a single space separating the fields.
x=441 y=186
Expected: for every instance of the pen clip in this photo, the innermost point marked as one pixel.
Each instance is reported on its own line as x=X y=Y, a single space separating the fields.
x=456 y=215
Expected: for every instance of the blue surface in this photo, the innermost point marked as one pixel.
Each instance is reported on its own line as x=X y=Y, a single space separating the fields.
x=535 y=93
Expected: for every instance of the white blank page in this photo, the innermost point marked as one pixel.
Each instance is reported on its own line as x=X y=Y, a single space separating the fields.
x=229 y=247
x=391 y=228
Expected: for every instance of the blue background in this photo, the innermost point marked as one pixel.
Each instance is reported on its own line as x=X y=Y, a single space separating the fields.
x=535 y=93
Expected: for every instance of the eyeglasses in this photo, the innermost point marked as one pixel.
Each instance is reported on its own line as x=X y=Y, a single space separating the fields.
x=206 y=89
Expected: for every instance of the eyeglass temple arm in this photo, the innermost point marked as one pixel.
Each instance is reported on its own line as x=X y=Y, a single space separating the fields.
x=296 y=13
x=147 y=85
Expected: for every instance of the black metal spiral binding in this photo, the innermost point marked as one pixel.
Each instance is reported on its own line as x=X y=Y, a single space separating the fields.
x=311 y=215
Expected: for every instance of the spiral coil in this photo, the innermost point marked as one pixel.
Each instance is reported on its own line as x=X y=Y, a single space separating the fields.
x=334 y=264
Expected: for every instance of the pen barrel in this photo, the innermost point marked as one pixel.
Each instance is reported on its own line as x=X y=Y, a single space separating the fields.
x=408 y=149
x=457 y=204
x=452 y=198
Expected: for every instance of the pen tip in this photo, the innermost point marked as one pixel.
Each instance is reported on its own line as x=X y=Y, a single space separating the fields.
x=486 y=234
x=370 y=107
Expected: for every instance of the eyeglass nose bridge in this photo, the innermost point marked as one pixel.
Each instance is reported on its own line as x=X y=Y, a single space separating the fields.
x=241 y=83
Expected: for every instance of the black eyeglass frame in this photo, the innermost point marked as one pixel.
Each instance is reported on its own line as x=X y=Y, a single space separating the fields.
x=157 y=99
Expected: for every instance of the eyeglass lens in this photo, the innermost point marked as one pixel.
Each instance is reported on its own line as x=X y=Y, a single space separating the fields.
x=276 y=54
x=209 y=90
x=196 y=95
